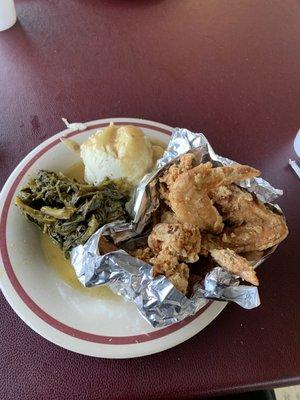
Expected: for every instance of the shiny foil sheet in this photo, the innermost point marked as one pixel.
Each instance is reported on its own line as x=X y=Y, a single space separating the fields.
x=158 y=301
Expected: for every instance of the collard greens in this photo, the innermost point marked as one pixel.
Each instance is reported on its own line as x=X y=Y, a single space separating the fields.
x=69 y=211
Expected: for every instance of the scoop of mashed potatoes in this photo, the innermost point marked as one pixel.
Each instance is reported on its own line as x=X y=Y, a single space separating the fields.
x=117 y=152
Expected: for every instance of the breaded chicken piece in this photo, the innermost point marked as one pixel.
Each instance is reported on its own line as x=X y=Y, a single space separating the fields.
x=177 y=273
x=180 y=240
x=168 y=217
x=235 y=264
x=144 y=254
x=166 y=264
x=231 y=221
x=172 y=173
x=189 y=193
x=172 y=244
x=253 y=256
x=210 y=242
x=253 y=225
x=169 y=245
x=233 y=203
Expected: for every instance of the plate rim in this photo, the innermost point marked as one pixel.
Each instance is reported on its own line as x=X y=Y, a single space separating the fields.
x=6 y=197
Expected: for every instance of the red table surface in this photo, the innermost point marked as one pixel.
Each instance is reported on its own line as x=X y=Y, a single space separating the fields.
x=226 y=68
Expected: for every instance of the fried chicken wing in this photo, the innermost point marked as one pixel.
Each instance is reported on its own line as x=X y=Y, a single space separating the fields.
x=253 y=226
x=210 y=242
x=165 y=263
x=256 y=235
x=169 y=245
x=205 y=213
x=189 y=193
x=235 y=264
x=253 y=256
x=180 y=240
x=144 y=254
x=234 y=204
x=172 y=173
x=177 y=273
x=168 y=217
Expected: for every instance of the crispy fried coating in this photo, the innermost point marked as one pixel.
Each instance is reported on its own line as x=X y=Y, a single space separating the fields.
x=167 y=264
x=253 y=256
x=205 y=213
x=172 y=173
x=172 y=244
x=233 y=203
x=253 y=225
x=168 y=217
x=180 y=240
x=235 y=264
x=210 y=242
x=144 y=254
x=189 y=193
x=177 y=273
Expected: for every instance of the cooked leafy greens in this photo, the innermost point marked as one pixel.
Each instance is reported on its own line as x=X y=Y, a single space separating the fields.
x=69 y=211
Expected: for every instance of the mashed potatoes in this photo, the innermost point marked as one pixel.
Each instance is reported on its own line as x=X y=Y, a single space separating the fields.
x=118 y=152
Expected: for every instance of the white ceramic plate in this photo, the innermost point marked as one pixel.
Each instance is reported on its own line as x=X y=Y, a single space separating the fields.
x=102 y=325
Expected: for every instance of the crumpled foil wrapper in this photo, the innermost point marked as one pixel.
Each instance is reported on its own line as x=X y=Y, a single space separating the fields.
x=158 y=301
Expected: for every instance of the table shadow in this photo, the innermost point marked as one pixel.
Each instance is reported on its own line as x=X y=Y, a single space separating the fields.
x=17 y=37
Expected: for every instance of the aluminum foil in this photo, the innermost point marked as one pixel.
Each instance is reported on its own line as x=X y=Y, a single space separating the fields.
x=158 y=301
